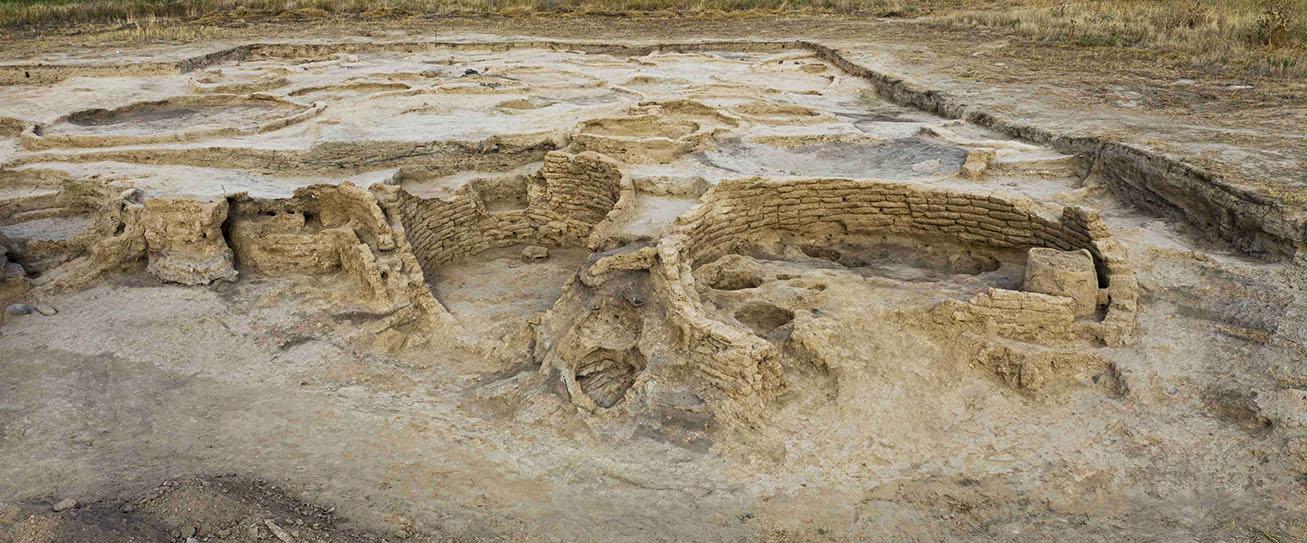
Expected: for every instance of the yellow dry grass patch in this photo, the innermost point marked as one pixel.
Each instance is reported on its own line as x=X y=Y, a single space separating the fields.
x=1262 y=38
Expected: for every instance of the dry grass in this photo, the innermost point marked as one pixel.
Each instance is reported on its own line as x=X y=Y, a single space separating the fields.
x=26 y=13
x=1257 y=38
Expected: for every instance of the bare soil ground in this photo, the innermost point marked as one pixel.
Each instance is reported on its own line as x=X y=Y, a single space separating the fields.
x=261 y=409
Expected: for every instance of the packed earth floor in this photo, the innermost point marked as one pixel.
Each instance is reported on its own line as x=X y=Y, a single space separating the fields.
x=503 y=289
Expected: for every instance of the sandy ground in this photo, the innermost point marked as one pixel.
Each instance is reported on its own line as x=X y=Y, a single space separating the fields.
x=234 y=389
x=132 y=383
x=1239 y=125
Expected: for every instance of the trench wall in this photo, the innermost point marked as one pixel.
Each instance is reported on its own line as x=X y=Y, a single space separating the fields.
x=1254 y=223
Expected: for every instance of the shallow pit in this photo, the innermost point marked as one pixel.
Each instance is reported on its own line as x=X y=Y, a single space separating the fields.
x=904 y=158
x=653 y=214
x=605 y=375
x=763 y=318
x=920 y=261
x=153 y=119
x=494 y=292
x=641 y=126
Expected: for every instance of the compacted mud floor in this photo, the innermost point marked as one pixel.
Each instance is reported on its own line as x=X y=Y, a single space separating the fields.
x=533 y=291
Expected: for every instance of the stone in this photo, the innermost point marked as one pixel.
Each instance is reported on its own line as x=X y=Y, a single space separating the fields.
x=977 y=162
x=1064 y=273
x=46 y=309
x=535 y=252
x=19 y=309
x=64 y=505
x=132 y=195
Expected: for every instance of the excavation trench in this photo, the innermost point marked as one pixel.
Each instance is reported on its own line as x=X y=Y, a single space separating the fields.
x=799 y=292
x=640 y=222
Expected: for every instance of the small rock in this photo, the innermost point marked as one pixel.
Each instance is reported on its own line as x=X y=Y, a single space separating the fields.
x=535 y=252
x=19 y=309
x=430 y=73
x=45 y=309
x=470 y=71
x=188 y=531
x=132 y=195
x=64 y=505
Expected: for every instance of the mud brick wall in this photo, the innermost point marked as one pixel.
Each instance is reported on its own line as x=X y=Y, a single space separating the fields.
x=274 y=236
x=1027 y=316
x=336 y=229
x=442 y=230
x=743 y=367
x=577 y=193
x=571 y=194
x=734 y=211
x=822 y=210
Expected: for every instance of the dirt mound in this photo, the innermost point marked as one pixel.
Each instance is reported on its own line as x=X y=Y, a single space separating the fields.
x=219 y=508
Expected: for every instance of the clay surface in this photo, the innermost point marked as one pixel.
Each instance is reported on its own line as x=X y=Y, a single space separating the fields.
x=490 y=289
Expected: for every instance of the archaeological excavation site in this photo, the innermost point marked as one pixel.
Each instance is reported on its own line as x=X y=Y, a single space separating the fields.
x=478 y=288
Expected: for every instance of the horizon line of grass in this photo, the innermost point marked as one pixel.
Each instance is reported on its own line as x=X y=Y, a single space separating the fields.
x=53 y=13
x=1255 y=37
